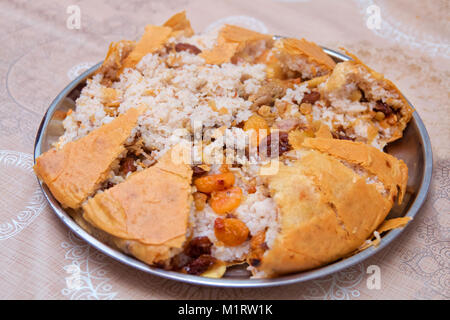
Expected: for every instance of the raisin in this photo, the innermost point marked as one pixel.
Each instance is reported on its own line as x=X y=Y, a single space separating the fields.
x=128 y=165
x=109 y=184
x=179 y=261
x=197 y=171
x=283 y=143
x=200 y=265
x=383 y=107
x=363 y=96
x=187 y=47
x=341 y=134
x=198 y=246
x=255 y=262
x=311 y=97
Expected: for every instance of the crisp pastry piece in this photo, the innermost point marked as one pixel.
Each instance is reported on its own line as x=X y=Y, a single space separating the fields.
x=75 y=171
x=151 y=254
x=303 y=57
x=153 y=39
x=147 y=212
x=112 y=66
x=330 y=201
x=239 y=43
x=127 y=54
x=379 y=109
x=180 y=25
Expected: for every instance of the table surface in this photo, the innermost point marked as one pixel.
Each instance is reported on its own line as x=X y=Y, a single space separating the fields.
x=41 y=52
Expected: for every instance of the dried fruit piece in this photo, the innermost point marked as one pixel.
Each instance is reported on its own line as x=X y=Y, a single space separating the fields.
x=198 y=171
x=260 y=127
x=187 y=47
x=281 y=138
x=226 y=201
x=200 y=200
x=128 y=165
x=214 y=182
x=198 y=246
x=200 y=265
x=356 y=95
x=305 y=108
x=258 y=246
x=380 y=116
x=383 y=107
x=311 y=97
x=232 y=232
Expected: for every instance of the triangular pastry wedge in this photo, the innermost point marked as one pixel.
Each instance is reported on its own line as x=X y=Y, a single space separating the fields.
x=76 y=171
x=304 y=57
x=151 y=206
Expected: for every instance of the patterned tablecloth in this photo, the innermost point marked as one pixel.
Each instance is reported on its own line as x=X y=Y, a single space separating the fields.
x=42 y=50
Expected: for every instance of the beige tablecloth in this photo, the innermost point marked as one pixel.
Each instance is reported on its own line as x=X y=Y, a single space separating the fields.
x=40 y=53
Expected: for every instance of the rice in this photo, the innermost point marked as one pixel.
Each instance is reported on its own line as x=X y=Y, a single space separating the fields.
x=258 y=211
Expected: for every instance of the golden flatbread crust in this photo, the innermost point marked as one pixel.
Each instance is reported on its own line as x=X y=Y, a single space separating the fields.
x=151 y=254
x=230 y=41
x=321 y=215
x=152 y=206
x=75 y=171
x=392 y=172
x=292 y=48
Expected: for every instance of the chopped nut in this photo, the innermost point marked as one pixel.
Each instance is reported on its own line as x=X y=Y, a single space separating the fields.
x=392 y=119
x=383 y=107
x=313 y=83
x=311 y=97
x=264 y=111
x=187 y=47
x=306 y=108
x=281 y=106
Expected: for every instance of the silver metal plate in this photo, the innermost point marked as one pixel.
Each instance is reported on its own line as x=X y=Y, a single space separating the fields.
x=414 y=148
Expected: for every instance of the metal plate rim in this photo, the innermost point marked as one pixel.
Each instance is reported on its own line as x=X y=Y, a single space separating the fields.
x=233 y=283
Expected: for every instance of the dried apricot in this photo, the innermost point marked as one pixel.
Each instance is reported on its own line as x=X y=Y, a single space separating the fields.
x=232 y=232
x=260 y=127
x=226 y=201
x=214 y=182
